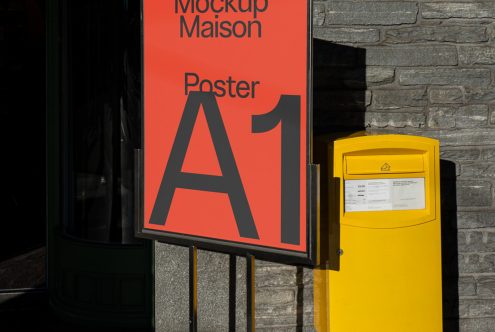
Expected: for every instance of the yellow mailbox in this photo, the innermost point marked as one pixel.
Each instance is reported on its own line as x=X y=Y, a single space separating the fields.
x=386 y=190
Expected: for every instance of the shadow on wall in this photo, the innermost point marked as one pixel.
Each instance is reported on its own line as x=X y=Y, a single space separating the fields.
x=450 y=270
x=340 y=101
x=339 y=96
x=339 y=87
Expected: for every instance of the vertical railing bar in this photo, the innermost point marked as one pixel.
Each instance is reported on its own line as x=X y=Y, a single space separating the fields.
x=232 y=291
x=193 y=289
x=250 y=293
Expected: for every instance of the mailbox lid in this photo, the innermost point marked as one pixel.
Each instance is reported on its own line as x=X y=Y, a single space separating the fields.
x=384 y=163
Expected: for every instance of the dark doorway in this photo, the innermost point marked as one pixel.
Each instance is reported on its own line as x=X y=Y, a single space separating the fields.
x=22 y=117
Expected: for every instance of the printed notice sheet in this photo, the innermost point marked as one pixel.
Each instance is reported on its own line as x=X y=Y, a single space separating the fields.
x=384 y=194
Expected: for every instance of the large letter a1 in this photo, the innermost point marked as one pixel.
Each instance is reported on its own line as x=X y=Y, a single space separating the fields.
x=229 y=182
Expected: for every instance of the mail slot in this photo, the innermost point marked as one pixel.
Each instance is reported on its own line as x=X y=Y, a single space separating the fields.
x=385 y=190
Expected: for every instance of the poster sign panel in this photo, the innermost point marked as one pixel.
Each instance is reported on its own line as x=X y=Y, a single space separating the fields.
x=226 y=126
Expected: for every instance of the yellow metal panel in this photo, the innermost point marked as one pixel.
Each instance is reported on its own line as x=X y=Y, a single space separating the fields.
x=389 y=280
x=387 y=276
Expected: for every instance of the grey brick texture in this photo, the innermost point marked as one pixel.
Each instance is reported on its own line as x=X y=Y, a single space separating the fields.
x=445 y=76
x=370 y=13
x=458 y=9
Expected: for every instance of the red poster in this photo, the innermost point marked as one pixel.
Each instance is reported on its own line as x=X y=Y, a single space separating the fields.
x=226 y=117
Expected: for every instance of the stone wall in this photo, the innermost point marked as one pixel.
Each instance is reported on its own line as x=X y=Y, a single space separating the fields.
x=417 y=67
x=427 y=68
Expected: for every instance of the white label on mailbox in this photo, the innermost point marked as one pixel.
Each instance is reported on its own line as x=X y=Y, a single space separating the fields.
x=384 y=194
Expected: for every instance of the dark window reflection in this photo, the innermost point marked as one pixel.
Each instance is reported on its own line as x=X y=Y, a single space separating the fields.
x=103 y=126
